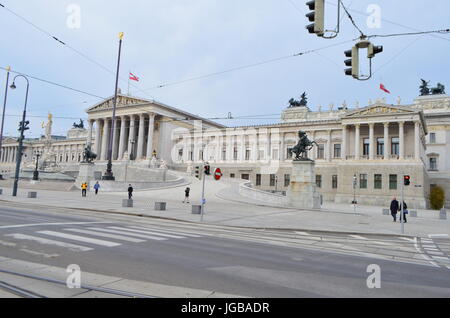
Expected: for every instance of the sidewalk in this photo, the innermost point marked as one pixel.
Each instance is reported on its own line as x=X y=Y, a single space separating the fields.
x=226 y=207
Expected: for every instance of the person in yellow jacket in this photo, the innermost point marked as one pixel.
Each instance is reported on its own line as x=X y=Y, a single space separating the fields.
x=84 y=187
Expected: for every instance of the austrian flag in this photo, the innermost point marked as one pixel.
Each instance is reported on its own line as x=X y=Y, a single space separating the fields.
x=384 y=89
x=134 y=77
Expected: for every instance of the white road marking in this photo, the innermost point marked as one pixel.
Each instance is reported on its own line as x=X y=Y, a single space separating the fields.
x=302 y=233
x=146 y=232
x=80 y=238
x=437 y=235
x=435 y=253
x=416 y=245
x=407 y=239
x=42 y=240
x=113 y=236
x=358 y=237
x=165 y=231
x=130 y=234
x=45 y=224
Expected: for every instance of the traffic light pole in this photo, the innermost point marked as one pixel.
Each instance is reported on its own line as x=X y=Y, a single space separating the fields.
x=203 y=193
x=403 y=208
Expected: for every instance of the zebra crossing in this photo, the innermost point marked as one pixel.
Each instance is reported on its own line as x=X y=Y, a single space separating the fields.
x=434 y=252
x=87 y=238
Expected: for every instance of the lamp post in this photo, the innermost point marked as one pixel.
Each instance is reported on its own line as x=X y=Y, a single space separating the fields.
x=4 y=109
x=23 y=127
x=36 y=171
x=132 y=150
x=355 y=182
x=109 y=173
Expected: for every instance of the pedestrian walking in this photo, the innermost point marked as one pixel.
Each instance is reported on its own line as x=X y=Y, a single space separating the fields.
x=186 y=195
x=130 y=192
x=404 y=211
x=96 y=187
x=394 y=208
x=83 y=189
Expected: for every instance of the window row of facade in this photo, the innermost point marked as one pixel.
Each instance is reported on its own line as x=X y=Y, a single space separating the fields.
x=363 y=181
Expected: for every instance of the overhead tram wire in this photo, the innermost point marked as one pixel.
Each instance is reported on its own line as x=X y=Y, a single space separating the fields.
x=53 y=83
x=238 y=68
x=70 y=47
x=352 y=20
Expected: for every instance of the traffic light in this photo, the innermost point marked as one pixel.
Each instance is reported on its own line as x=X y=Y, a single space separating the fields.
x=352 y=62
x=372 y=50
x=317 y=16
x=198 y=174
x=207 y=169
x=407 y=180
x=24 y=127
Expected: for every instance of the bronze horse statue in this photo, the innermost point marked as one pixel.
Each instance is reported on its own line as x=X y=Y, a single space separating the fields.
x=88 y=155
x=303 y=146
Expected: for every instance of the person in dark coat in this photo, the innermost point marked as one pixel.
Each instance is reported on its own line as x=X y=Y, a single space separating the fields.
x=405 y=211
x=186 y=195
x=130 y=192
x=394 y=208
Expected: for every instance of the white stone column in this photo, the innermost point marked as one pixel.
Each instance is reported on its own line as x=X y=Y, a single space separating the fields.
x=151 y=133
x=115 y=148
x=105 y=140
x=344 y=143
x=218 y=148
x=140 y=143
x=98 y=138
x=417 y=140
x=371 y=141
x=123 y=134
x=357 y=141
x=387 y=144
x=330 y=146
x=282 y=151
x=131 y=136
x=401 y=133
x=268 y=146
x=243 y=147
x=89 y=138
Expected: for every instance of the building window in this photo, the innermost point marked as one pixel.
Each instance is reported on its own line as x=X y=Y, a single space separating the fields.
x=393 y=182
x=395 y=146
x=272 y=180
x=337 y=150
x=319 y=181
x=287 y=180
x=432 y=138
x=224 y=154
x=258 y=180
x=289 y=152
x=232 y=175
x=245 y=176
x=261 y=155
x=366 y=146
x=200 y=154
x=180 y=154
x=334 y=181
x=247 y=154
x=363 y=181
x=275 y=154
x=380 y=146
x=321 y=151
x=433 y=164
x=235 y=153
x=378 y=180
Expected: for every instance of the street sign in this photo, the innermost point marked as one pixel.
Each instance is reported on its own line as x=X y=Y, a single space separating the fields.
x=218 y=174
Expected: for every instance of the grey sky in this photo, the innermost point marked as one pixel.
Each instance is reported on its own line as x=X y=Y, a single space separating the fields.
x=167 y=41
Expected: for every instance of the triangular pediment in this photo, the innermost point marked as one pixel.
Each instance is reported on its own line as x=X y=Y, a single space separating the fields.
x=382 y=109
x=122 y=101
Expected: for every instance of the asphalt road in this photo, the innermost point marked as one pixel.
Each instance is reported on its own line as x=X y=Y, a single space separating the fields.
x=233 y=261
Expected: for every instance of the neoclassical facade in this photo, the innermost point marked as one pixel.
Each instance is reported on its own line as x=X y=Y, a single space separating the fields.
x=376 y=144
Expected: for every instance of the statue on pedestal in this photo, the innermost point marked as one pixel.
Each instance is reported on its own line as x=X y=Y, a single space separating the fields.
x=303 y=146
x=88 y=155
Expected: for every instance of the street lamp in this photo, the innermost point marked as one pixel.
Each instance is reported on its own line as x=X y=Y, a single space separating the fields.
x=36 y=171
x=132 y=149
x=23 y=127
x=354 y=202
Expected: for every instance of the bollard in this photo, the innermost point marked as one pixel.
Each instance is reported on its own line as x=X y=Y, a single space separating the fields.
x=443 y=214
x=196 y=209
x=32 y=195
x=160 y=206
x=413 y=213
x=127 y=203
x=386 y=212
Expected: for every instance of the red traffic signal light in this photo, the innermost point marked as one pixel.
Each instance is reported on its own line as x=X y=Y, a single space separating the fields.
x=407 y=180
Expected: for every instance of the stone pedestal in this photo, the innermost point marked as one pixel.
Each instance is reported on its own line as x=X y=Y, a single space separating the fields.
x=86 y=174
x=302 y=191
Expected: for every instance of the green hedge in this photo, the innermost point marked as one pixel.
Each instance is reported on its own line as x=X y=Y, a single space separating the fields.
x=437 y=198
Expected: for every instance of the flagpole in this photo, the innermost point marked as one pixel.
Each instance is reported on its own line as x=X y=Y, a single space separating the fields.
x=129 y=72
x=109 y=173
x=4 y=108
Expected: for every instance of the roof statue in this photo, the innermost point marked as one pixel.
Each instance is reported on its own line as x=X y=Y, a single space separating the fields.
x=303 y=102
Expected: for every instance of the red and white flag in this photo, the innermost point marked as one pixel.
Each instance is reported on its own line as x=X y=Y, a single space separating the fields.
x=383 y=88
x=134 y=77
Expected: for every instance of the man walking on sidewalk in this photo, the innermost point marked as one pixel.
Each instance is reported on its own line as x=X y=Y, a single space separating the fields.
x=83 y=189
x=130 y=192
x=96 y=187
x=186 y=195
x=394 y=208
